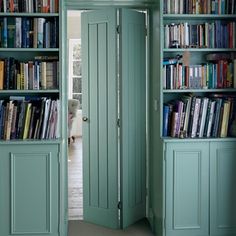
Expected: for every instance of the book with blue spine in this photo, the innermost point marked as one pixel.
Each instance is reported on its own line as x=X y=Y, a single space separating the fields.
x=166 y=111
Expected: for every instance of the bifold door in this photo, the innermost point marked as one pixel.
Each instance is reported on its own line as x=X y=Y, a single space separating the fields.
x=102 y=188
x=133 y=116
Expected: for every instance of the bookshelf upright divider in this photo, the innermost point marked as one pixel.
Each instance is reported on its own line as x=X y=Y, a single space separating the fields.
x=30 y=110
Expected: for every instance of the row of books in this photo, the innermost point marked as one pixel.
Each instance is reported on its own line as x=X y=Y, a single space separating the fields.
x=192 y=116
x=32 y=75
x=199 y=7
x=24 y=32
x=29 y=6
x=29 y=119
x=217 y=34
x=218 y=75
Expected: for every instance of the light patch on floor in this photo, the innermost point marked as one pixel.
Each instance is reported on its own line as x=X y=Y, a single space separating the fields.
x=75 y=180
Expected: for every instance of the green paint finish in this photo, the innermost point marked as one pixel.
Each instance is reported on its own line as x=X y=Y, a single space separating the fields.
x=187 y=189
x=100 y=137
x=29 y=190
x=222 y=191
x=133 y=116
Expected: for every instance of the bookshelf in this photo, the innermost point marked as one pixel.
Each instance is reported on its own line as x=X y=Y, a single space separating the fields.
x=207 y=64
x=195 y=163
x=30 y=116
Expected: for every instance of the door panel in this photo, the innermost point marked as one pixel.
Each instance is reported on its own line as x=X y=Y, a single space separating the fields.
x=223 y=191
x=187 y=189
x=100 y=171
x=133 y=116
x=29 y=190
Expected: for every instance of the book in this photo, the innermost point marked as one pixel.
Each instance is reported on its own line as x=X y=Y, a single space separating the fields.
x=210 y=119
x=225 y=120
x=18 y=32
x=195 y=116
x=40 y=34
x=1 y=74
x=27 y=120
x=202 y=118
x=166 y=110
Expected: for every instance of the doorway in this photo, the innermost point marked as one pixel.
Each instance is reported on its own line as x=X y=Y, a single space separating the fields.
x=75 y=158
x=107 y=100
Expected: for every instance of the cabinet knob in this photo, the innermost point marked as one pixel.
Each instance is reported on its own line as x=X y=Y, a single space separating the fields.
x=85 y=118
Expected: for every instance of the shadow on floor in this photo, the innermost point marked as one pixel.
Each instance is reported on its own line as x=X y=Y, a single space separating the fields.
x=81 y=228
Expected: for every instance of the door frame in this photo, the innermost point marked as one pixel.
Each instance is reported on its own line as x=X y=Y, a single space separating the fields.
x=80 y=6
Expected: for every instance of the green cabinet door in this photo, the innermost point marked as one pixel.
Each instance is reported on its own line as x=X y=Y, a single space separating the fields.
x=29 y=190
x=187 y=189
x=222 y=189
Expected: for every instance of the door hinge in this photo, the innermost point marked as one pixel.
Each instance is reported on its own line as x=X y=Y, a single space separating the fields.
x=146 y=31
x=118 y=122
x=118 y=29
x=59 y=157
x=119 y=205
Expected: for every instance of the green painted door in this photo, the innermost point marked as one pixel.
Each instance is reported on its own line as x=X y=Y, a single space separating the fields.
x=222 y=189
x=187 y=189
x=29 y=192
x=100 y=152
x=133 y=115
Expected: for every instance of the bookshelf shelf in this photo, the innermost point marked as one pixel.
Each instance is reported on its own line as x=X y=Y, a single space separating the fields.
x=22 y=14
x=184 y=140
x=199 y=50
x=41 y=50
x=31 y=142
x=227 y=90
x=50 y=91
x=197 y=16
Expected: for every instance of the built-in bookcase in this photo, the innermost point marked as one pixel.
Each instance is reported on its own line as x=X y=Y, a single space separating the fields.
x=195 y=148
x=198 y=77
x=29 y=70
x=30 y=106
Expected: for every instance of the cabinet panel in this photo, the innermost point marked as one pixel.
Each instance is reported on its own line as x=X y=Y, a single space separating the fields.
x=29 y=190
x=222 y=189
x=187 y=168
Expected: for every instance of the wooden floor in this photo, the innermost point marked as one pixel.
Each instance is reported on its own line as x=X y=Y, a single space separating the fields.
x=75 y=180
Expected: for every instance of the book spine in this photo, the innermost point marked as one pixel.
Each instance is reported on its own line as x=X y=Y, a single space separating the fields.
x=18 y=32
x=165 y=120
x=41 y=22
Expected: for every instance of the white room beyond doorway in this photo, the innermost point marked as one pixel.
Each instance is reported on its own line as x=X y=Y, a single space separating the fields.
x=75 y=163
